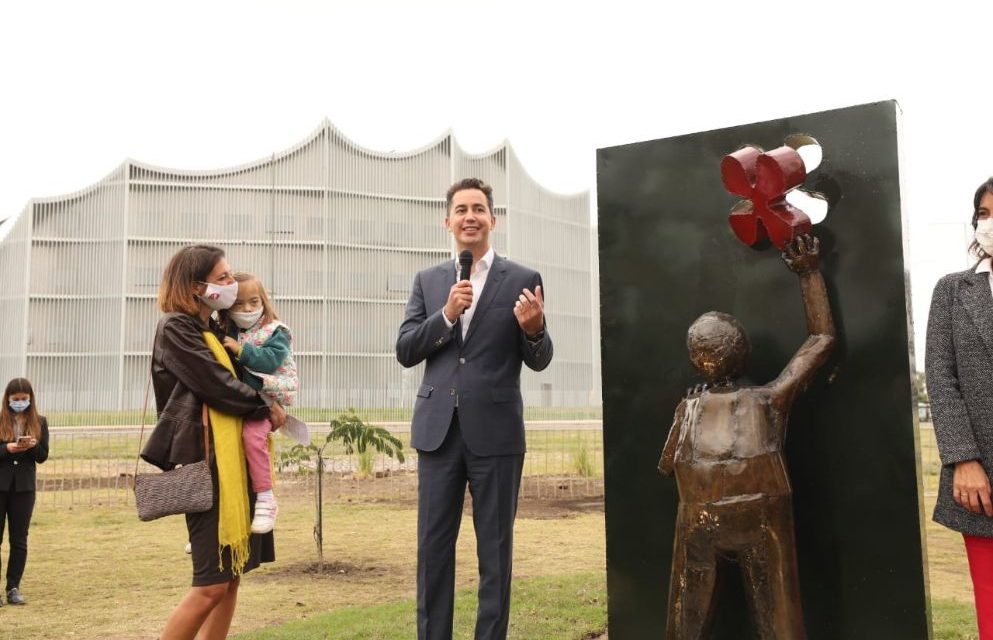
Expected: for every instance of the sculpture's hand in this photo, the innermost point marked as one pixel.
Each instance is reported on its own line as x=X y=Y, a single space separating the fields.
x=803 y=254
x=971 y=487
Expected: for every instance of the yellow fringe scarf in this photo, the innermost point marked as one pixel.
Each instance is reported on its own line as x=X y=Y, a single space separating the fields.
x=233 y=524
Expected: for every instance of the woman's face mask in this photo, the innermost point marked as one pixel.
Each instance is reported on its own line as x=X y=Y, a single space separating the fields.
x=246 y=319
x=17 y=406
x=220 y=296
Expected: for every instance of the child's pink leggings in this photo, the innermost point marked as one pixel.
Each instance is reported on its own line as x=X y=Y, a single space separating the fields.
x=255 y=435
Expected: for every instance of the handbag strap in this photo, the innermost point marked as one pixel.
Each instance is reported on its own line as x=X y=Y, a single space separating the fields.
x=206 y=428
x=144 y=416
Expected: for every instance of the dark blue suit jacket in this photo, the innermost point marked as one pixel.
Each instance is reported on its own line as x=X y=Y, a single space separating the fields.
x=481 y=373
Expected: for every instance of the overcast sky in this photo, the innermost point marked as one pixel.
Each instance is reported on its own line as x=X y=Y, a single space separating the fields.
x=206 y=84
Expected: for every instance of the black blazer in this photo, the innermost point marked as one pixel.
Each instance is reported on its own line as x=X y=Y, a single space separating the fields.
x=17 y=470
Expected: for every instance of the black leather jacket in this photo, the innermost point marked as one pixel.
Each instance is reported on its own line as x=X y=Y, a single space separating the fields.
x=185 y=374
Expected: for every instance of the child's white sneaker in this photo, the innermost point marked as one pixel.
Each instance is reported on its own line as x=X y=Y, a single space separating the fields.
x=265 y=516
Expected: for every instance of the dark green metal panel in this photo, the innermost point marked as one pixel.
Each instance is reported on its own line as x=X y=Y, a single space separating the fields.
x=667 y=255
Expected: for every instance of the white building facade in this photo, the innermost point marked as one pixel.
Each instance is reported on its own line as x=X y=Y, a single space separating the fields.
x=336 y=232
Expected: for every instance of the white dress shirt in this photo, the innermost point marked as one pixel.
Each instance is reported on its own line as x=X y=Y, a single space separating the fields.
x=477 y=279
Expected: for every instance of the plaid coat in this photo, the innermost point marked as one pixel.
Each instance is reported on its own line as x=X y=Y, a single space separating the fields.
x=959 y=367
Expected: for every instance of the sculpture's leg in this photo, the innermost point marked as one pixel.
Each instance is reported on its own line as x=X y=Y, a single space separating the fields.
x=693 y=578
x=772 y=582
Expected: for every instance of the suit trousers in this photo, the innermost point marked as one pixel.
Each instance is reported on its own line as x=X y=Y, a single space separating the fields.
x=15 y=510
x=493 y=483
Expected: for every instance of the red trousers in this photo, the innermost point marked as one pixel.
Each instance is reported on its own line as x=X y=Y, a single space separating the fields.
x=980 y=552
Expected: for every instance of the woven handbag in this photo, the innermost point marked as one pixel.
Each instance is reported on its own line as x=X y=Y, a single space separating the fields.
x=185 y=489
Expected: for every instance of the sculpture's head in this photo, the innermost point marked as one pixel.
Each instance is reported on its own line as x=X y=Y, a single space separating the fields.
x=718 y=346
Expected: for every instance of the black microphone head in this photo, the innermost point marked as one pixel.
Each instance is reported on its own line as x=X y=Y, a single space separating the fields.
x=465 y=264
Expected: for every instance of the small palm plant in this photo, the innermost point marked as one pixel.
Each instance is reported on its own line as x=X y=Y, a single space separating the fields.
x=355 y=436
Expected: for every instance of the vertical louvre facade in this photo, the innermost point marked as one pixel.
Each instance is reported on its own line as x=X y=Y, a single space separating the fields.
x=335 y=231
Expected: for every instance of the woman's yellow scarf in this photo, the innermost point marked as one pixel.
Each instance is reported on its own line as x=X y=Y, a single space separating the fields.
x=233 y=523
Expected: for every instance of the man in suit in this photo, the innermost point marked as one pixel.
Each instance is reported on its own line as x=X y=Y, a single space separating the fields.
x=468 y=424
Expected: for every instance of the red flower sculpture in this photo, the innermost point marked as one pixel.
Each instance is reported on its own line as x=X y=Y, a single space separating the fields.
x=764 y=179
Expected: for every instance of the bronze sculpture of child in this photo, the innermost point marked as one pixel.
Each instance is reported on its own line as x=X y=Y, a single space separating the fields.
x=725 y=448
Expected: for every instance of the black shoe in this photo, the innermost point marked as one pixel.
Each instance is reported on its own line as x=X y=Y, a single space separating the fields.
x=14 y=597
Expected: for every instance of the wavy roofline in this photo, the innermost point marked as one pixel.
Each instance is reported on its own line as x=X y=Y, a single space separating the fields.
x=325 y=127
x=79 y=193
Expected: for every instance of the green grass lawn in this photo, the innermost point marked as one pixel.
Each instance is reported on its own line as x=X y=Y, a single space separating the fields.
x=953 y=620
x=568 y=606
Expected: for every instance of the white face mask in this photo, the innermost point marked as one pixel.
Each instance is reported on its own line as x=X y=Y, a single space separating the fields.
x=984 y=235
x=246 y=319
x=220 y=296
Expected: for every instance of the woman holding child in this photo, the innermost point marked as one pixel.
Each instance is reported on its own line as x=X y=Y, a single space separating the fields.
x=191 y=370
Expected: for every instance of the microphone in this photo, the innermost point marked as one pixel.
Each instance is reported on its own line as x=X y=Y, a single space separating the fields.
x=465 y=266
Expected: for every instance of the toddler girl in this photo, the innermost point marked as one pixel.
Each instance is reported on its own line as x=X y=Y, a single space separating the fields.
x=261 y=344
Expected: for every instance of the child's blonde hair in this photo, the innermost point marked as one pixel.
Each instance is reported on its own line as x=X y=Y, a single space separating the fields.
x=268 y=311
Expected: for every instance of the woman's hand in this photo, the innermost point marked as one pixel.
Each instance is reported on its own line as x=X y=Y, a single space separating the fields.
x=971 y=487
x=277 y=415
x=13 y=447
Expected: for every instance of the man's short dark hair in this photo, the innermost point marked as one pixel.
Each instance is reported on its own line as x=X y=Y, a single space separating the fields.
x=470 y=183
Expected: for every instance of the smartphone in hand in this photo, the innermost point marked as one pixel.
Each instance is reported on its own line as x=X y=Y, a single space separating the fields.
x=24 y=441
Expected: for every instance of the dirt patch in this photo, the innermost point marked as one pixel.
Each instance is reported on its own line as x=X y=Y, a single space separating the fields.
x=544 y=498
x=527 y=508
x=331 y=571
x=545 y=509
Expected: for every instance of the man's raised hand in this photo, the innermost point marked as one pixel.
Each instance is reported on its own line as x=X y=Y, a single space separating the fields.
x=530 y=311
